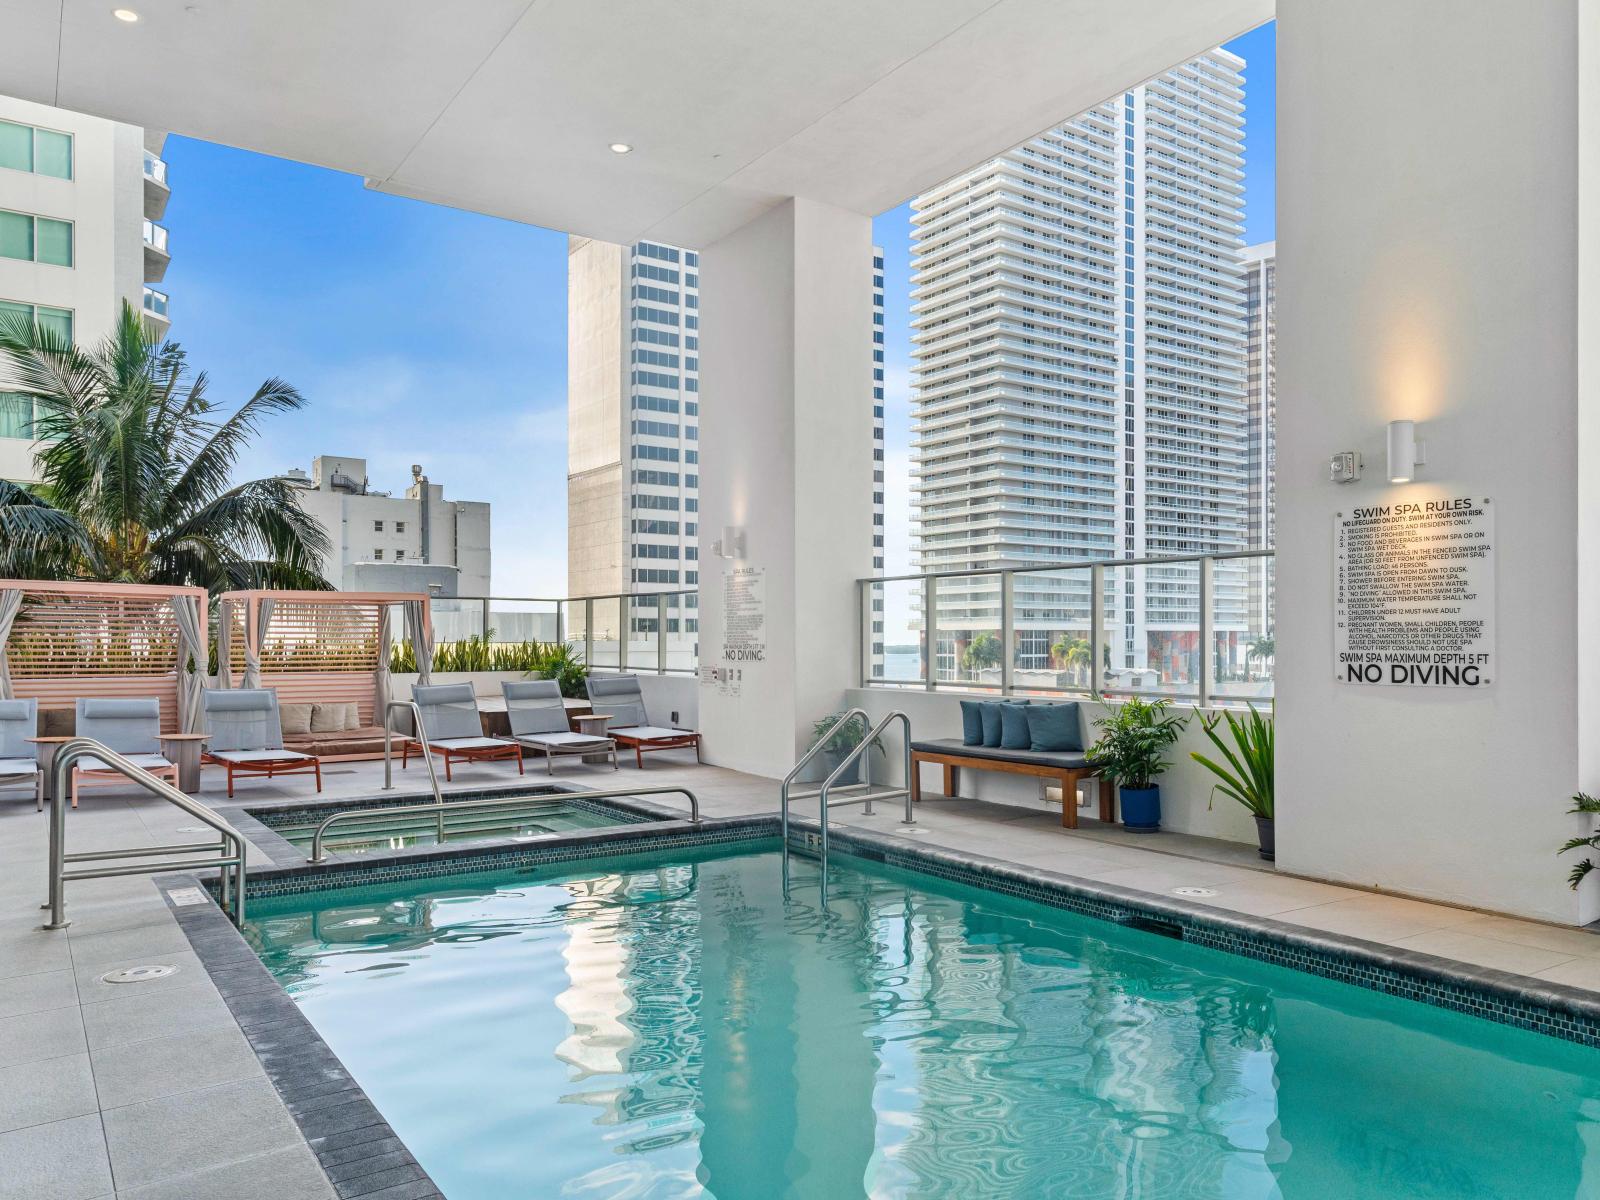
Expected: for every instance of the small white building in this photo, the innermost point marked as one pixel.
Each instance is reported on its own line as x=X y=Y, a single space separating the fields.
x=382 y=542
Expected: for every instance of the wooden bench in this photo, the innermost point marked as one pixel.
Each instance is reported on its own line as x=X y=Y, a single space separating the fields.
x=1070 y=767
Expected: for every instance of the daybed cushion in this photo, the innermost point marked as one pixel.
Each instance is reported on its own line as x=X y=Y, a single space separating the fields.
x=1065 y=761
x=1054 y=728
x=334 y=718
x=648 y=733
x=295 y=718
x=366 y=739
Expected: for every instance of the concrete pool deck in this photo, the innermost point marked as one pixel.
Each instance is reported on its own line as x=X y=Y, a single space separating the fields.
x=152 y=1090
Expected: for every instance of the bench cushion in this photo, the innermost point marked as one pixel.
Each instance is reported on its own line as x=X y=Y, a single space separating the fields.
x=1062 y=761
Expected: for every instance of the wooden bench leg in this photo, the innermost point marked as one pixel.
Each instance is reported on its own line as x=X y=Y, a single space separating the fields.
x=1108 y=801
x=1069 y=800
x=952 y=781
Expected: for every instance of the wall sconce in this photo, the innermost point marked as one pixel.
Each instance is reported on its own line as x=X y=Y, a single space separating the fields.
x=730 y=544
x=1406 y=452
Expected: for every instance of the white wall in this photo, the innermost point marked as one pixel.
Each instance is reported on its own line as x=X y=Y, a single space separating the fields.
x=786 y=454
x=1185 y=788
x=1428 y=228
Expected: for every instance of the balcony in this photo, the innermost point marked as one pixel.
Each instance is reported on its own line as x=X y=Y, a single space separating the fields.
x=156 y=319
x=156 y=257
x=156 y=191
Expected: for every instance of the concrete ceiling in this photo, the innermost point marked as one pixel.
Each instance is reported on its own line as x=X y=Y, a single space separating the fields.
x=509 y=106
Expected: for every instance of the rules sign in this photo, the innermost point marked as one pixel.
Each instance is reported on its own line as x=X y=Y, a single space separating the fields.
x=1414 y=593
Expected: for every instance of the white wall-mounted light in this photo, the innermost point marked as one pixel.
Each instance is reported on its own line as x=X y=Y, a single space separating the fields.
x=621 y=148
x=1406 y=451
x=125 y=14
x=730 y=544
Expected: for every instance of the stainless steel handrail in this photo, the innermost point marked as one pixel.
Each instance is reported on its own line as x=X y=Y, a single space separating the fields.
x=805 y=759
x=231 y=864
x=442 y=808
x=421 y=735
x=844 y=765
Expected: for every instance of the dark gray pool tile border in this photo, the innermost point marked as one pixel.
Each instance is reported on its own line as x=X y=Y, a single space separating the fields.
x=357 y=1149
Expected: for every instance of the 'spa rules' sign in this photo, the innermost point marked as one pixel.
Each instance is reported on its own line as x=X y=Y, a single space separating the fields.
x=1414 y=593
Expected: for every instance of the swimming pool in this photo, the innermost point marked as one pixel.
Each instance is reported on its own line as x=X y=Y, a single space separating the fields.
x=377 y=830
x=659 y=1027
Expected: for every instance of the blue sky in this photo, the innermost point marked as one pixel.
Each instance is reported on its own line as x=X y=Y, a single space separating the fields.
x=424 y=334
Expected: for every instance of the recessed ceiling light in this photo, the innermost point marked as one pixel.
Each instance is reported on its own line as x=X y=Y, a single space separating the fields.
x=125 y=14
x=620 y=148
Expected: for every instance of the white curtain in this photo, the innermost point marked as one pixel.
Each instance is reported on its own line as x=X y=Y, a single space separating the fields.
x=421 y=639
x=254 y=647
x=191 y=648
x=224 y=643
x=381 y=675
x=10 y=605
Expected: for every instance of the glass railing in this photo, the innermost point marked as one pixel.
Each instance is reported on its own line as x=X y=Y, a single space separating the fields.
x=155 y=236
x=653 y=633
x=1194 y=628
x=155 y=302
x=154 y=168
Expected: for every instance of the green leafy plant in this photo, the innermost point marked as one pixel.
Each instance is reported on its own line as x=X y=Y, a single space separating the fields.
x=1247 y=776
x=1133 y=749
x=1582 y=803
x=982 y=651
x=564 y=663
x=546 y=660
x=846 y=737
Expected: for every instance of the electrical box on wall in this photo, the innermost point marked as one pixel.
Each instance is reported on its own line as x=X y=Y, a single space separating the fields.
x=1345 y=467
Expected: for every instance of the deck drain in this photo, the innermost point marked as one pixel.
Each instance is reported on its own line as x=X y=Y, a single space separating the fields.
x=138 y=974
x=192 y=829
x=1194 y=891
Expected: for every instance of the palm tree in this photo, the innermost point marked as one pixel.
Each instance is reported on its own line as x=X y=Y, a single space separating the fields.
x=1263 y=648
x=983 y=651
x=136 y=465
x=1073 y=653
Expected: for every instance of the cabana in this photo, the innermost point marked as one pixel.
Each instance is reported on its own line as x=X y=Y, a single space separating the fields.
x=326 y=654
x=64 y=642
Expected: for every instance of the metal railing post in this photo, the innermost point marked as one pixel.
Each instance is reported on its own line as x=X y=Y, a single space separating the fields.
x=588 y=631
x=864 y=606
x=485 y=626
x=661 y=633
x=1097 y=638
x=930 y=625
x=1008 y=631
x=1208 y=635
x=561 y=623
x=624 y=629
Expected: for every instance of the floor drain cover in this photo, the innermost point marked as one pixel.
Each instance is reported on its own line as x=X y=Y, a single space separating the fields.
x=191 y=829
x=138 y=974
x=1194 y=891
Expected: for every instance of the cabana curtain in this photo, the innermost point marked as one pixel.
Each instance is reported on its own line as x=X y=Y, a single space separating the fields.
x=381 y=675
x=421 y=639
x=225 y=644
x=253 y=647
x=10 y=605
x=191 y=649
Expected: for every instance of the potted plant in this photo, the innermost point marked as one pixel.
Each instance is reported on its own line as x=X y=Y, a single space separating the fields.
x=1132 y=753
x=1583 y=803
x=1247 y=775
x=840 y=742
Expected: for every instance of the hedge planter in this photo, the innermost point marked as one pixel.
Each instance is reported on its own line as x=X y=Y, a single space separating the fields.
x=1141 y=808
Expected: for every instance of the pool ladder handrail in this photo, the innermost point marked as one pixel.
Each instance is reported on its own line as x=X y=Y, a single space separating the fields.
x=229 y=851
x=454 y=806
x=830 y=794
x=420 y=734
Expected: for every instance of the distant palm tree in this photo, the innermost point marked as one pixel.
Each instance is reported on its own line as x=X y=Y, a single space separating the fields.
x=983 y=651
x=1263 y=648
x=136 y=466
x=1074 y=653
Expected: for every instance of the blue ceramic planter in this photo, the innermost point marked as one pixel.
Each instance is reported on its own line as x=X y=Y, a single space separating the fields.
x=1141 y=808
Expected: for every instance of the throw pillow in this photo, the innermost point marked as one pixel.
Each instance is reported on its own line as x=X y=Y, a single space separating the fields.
x=295 y=718
x=1054 y=727
x=1014 y=733
x=991 y=723
x=972 y=722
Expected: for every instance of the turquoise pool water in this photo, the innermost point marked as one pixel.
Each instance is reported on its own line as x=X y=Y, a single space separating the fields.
x=379 y=831
x=641 y=1028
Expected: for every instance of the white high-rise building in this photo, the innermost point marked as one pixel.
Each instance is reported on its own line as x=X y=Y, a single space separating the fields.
x=80 y=198
x=1260 y=265
x=633 y=423
x=1079 y=346
x=380 y=542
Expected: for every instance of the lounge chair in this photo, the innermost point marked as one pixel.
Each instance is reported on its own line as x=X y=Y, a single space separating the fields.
x=19 y=758
x=619 y=697
x=131 y=727
x=453 y=728
x=247 y=736
x=539 y=721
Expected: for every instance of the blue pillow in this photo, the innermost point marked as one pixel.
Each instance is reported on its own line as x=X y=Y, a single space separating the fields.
x=1014 y=733
x=972 y=722
x=1054 y=727
x=991 y=723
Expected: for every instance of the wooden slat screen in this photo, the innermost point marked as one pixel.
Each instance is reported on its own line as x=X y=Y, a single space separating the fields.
x=320 y=637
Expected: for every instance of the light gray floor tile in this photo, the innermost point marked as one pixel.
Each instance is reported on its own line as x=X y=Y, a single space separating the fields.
x=194 y=1131
x=41 y=1035
x=147 y=943
x=37 y=993
x=65 y=1160
x=31 y=950
x=155 y=1014
x=165 y=1066
x=287 y=1174
x=51 y=1089
x=92 y=988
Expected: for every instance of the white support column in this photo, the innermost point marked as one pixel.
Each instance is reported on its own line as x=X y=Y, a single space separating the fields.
x=1431 y=215
x=786 y=456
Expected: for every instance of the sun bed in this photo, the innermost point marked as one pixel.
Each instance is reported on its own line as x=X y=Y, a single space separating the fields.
x=538 y=719
x=453 y=728
x=130 y=726
x=19 y=761
x=619 y=697
x=246 y=736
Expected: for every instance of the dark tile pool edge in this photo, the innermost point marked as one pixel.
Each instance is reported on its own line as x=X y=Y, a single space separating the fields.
x=1556 y=1010
x=357 y=1149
